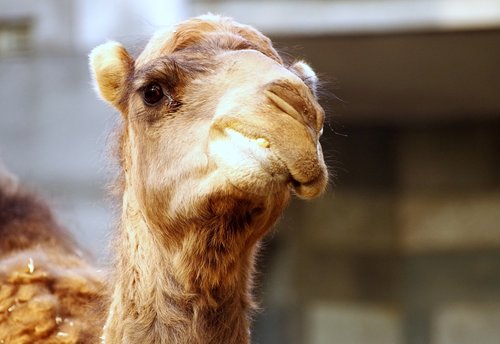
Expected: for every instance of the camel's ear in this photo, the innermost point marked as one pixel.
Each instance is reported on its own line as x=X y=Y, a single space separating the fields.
x=110 y=65
x=307 y=74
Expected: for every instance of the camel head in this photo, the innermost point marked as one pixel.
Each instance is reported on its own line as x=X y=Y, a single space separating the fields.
x=210 y=109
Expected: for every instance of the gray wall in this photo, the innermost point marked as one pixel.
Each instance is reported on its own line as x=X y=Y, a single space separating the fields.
x=53 y=134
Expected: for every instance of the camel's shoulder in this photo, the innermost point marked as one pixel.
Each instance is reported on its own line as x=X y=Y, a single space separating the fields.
x=46 y=297
x=48 y=291
x=27 y=221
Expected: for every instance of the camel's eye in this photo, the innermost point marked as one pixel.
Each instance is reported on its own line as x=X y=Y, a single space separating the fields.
x=152 y=94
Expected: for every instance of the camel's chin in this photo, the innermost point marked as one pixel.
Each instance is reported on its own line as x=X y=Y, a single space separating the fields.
x=252 y=166
x=312 y=189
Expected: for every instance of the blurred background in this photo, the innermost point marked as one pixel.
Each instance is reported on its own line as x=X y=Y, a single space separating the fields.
x=405 y=246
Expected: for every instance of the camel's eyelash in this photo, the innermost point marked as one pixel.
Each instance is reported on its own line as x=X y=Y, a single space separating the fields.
x=165 y=72
x=164 y=81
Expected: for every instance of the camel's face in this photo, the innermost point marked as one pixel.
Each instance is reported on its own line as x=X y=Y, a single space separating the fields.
x=265 y=128
x=205 y=119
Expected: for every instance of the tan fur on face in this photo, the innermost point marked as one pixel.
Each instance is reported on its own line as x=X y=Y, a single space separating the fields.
x=197 y=198
x=193 y=216
x=203 y=29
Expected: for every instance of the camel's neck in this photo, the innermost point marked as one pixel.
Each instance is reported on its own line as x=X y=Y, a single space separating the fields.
x=192 y=290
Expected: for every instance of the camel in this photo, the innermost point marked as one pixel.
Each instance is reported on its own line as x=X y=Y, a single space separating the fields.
x=217 y=133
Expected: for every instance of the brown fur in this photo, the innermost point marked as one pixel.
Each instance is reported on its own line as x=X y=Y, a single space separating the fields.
x=46 y=289
x=206 y=172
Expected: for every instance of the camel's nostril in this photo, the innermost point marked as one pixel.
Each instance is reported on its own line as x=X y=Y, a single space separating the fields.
x=284 y=105
x=294 y=99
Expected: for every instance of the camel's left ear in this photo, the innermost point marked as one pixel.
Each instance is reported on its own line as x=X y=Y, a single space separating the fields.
x=307 y=74
x=110 y=65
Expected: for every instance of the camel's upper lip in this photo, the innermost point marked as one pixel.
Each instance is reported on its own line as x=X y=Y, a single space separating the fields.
x=250 y=136
x=259 y=140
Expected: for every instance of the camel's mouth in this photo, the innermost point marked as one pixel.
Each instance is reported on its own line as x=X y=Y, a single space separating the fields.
x=259 y=164
x=259 y=142
x=265 y=138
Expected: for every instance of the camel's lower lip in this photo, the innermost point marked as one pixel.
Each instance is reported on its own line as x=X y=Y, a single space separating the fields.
x=259 y=149
x=311 y=189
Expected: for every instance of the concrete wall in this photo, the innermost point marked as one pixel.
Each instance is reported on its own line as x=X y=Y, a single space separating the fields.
x=404 y=249
x=79 y=25
x=54 y=135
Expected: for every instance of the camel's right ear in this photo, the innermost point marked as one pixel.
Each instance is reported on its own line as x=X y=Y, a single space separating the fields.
x=110 y=65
